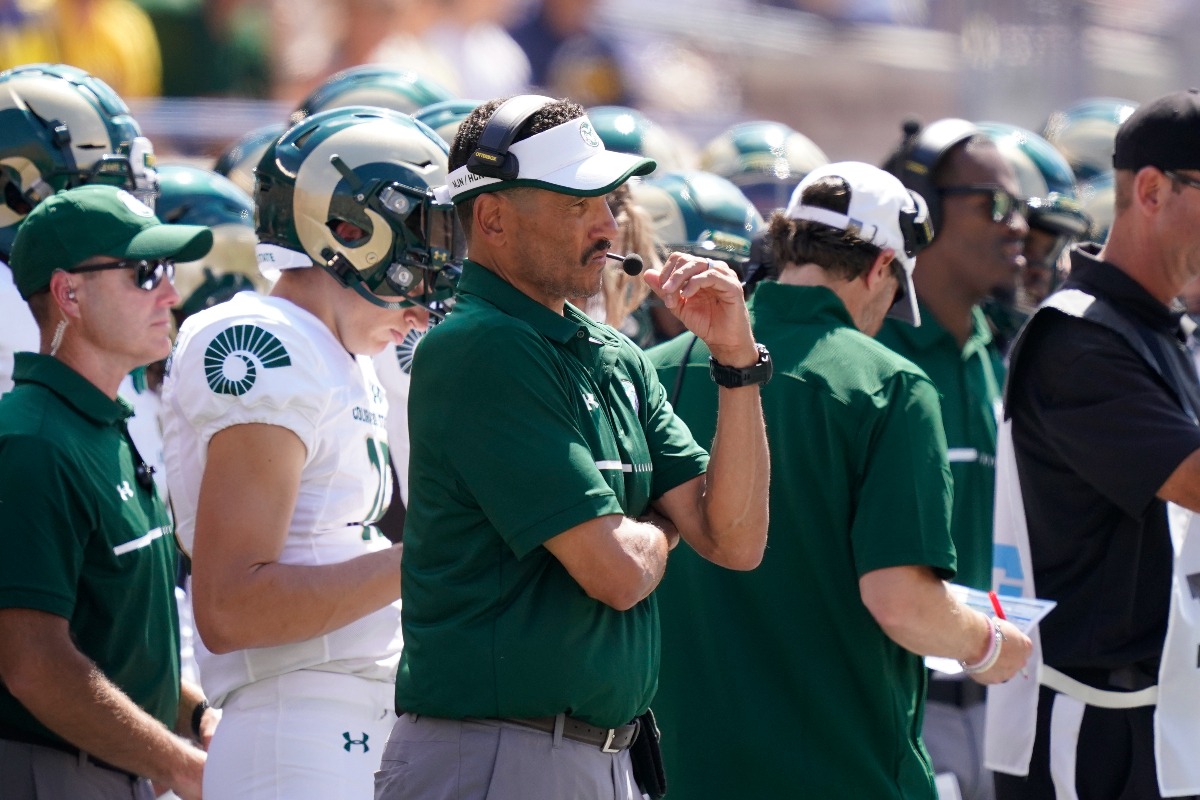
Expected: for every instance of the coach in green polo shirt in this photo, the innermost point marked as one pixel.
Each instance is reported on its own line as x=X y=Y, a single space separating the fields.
x=550 y=478
x=810 y=666
x=88 y=628
x=968 y=378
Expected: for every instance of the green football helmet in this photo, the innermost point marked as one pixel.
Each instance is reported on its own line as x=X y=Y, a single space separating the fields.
x=1045 y=179
x=373 y=85
x=238 y=160
x=374 y=169
x=700 y=213
x=1098 y=197
x=627 y=130
x=192 y=196
x=766 y=160
x=445 y=116
x=59 y=128
x=1084 y=133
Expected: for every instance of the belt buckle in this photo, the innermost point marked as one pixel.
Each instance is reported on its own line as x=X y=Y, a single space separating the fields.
x=608 y=740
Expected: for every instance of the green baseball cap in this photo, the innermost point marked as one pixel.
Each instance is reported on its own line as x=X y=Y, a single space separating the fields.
x=70 y=227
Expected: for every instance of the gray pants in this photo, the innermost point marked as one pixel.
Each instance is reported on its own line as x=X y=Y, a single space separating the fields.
x=440 y=759
x=31 y=772
x=954 y=738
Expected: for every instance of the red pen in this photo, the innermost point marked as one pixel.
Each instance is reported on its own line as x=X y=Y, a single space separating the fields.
x=996 y=605
x=999 y=609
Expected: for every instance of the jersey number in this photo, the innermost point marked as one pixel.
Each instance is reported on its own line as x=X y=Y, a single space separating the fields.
x=378 y=455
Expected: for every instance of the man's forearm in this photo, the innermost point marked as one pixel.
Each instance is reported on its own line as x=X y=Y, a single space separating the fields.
x=68 y=694
x=734 y=504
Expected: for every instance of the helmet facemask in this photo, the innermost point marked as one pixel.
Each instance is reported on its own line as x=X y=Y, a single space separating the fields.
x=421 y=267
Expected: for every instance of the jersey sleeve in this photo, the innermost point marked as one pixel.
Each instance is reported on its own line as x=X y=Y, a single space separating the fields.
x=677 y=456
x=240 y=372
x=904 y=518
x=43 y=554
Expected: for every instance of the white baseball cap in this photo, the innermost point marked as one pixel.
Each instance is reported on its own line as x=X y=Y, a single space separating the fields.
x=882 y=212
x=569 y=158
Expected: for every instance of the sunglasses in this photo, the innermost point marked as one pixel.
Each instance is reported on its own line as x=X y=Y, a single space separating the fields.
x=1181 y=178
x=1004 y=204
x=146 y=274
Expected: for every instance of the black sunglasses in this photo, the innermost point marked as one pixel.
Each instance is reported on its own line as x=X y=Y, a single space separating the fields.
x=1004 y=203
x=146 y=274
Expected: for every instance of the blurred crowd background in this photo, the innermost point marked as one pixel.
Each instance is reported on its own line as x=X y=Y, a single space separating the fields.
x=200 y=73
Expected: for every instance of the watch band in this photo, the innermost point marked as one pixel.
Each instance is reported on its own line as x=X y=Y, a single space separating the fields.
x=736 y=377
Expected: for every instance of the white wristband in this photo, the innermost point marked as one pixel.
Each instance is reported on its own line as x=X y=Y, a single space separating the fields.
x=991 y=656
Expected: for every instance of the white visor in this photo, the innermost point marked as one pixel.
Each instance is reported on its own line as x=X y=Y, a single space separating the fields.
x=568 y=158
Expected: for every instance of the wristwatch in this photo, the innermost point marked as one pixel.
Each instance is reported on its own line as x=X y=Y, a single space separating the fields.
x=733 y=377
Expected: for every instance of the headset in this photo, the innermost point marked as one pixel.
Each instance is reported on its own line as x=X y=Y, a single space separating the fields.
x=917 y=158
x=491 y=158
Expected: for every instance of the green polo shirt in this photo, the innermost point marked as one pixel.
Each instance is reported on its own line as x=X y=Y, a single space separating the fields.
x=525 y=423
x=81 y=539
x=778 y=682
x=969 y=380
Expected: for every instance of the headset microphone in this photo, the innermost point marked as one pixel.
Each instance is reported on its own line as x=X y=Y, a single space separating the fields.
x=632 y=263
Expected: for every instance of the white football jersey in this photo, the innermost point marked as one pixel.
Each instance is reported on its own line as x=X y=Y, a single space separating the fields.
x=261 y=359
x=18 y=332
x=394 y=368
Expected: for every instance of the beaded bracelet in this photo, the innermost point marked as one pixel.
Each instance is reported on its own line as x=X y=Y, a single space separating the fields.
x=991 y=656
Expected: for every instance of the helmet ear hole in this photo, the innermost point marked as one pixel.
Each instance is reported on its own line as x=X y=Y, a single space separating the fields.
x=352 y=189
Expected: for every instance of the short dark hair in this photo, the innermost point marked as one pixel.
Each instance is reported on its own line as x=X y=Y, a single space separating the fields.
x=465 y=141
x=838 y=252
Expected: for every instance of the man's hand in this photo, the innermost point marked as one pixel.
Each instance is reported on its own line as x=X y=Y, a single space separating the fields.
x=1015 y=650
x=707 y=297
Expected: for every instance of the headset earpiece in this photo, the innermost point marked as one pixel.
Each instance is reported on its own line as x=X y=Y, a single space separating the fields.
x=491 y=158
x=919 y=155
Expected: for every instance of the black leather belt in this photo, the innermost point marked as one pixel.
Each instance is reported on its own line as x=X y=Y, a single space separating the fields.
x=21 y=737
x=609 y=740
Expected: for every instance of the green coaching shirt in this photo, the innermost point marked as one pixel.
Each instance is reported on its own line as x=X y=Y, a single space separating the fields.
x=81 y=539
x=523 y=424
x=779 y=682
x=969 y=380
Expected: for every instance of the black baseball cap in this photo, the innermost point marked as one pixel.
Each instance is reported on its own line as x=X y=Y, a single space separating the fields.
x=1163 y=133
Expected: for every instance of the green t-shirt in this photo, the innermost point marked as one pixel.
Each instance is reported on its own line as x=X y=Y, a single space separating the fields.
x=778 y=682
x=969 y=381
x=82 y=539
x=524 y=423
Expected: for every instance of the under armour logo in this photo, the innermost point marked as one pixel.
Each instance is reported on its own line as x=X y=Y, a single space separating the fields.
x=125 y=490
x=589 y=400
x=349 y=741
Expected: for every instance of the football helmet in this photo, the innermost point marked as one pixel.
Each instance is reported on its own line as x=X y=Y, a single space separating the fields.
x=192 y=196
x=1098 y=197
x=61 y=127
x=374 y=169
x=375 y=85
x=445 y=117
x=627 y=130
x=238 y=161
x=1084 y=133
x=1045 y=179
x=700 y=213
x=764 y=159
